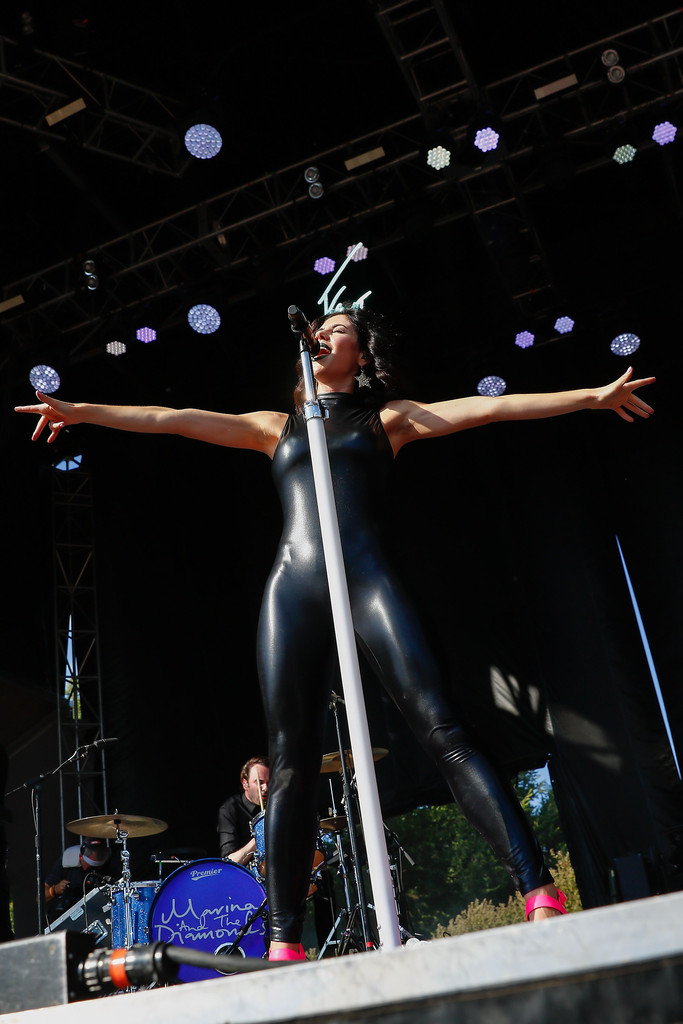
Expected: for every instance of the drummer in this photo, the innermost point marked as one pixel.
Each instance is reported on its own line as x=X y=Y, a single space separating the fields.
x=237 y=813
x=74 y=874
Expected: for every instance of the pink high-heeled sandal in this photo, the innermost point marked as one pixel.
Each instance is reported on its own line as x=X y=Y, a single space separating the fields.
x=287 y=954
x=543 y=900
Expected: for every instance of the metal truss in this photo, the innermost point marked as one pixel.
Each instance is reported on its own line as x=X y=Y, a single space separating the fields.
x=272 y=222
x=532 y=118
x=112 y=117
x=83 y=789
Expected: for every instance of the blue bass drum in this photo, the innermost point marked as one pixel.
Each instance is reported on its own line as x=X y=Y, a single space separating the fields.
x=204 y=905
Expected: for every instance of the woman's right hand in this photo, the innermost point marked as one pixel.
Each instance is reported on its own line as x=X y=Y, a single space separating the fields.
x=53 y=414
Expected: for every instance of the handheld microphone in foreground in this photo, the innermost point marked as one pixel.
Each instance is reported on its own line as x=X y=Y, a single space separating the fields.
x=300 y=325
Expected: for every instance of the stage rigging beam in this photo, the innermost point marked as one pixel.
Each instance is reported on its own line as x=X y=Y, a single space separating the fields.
x=274 y=215
x=109 y=116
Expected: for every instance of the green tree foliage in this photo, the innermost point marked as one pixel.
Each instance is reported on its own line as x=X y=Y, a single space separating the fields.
x=454 y=867
x=482 y=914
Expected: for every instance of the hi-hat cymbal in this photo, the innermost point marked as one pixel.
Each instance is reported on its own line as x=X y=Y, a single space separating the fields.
x=103 y=826
x=336 y=824
x=332 y=762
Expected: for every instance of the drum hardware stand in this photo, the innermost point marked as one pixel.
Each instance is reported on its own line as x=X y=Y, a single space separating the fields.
x=368 y=796
x=347 y=802
x=121 y=837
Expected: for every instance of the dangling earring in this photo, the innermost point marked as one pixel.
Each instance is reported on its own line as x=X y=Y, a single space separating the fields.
x=363 y=380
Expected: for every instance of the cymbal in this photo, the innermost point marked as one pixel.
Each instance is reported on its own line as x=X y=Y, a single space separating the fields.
x=333 y=824
x=103 y=826
x=332 y=762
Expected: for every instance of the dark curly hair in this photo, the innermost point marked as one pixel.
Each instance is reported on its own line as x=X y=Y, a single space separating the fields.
x=377 y=340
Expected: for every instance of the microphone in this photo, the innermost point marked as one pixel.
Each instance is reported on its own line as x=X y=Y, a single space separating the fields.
x=300 y=325
x=95 y=746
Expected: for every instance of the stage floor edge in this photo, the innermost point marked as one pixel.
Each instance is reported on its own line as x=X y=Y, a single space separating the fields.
x=618 y=963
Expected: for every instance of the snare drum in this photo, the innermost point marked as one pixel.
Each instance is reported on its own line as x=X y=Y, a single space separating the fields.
x=204 y=905
x=141 y=898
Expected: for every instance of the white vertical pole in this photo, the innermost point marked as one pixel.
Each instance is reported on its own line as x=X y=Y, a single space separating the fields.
x=368 y=796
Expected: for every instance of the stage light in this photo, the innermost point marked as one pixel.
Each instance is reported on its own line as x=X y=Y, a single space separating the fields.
x=67 y=111
x=204 y=319
x=115 y=348
x=664 y=133
x=360 y=254
x=564 y=325
x=486 y=139
x=203 y=141
x=315 y=185
x=491 y=386
x=146 y=334
x=90 y=273
x=364 y=158
x=16 y=300
x=624 y=154
x=324 y=265
x=524 y=339
x=616 y=75
x=559 y=85
x=609 y=58
x=438 y=158
x=625 y=344
x=68 y=464
x=44 y=378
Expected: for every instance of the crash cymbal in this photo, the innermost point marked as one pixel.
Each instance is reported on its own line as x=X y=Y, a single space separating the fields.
x=333 y=824
x=103 y=826
x=332 y=762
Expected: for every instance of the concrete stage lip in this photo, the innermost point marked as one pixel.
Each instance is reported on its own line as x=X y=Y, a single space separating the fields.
x=642 y=940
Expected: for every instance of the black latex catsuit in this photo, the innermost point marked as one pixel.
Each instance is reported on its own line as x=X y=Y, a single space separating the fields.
x=296 y=652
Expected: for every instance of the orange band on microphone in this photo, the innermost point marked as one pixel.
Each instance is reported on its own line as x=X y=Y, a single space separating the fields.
x=117 y=968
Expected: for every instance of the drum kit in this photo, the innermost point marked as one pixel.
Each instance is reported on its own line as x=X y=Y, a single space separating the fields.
x=219 y=906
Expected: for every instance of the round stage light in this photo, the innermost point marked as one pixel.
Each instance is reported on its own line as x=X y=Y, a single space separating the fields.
x=44 y=378
x=438 y=158
x=664 y=133
x=204 y=319
x=311 y=175
x=486 y=139
x=491 y=386
x=146 y=334
x=625 y=344
x=564 y=325
x=360 y=254
x=324 y=265
x=203 y=141
x=115 y=348
x=524 y=339
x=624 y=154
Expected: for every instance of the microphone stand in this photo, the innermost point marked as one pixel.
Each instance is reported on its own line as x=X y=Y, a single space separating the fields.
x=35 y=786
x=359 y=733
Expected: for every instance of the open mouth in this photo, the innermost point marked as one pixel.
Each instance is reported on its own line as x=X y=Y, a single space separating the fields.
x=324 y=350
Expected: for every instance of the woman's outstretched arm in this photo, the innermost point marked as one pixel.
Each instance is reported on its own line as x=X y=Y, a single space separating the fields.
x=409 y=421
x=258 y=431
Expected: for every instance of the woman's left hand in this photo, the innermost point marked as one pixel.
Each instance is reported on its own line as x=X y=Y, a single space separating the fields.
x=621 y=397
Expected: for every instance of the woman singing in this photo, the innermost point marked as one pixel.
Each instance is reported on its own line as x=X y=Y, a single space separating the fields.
x=366 y=424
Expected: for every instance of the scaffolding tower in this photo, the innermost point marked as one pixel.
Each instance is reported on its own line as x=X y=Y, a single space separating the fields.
x=83 y=782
